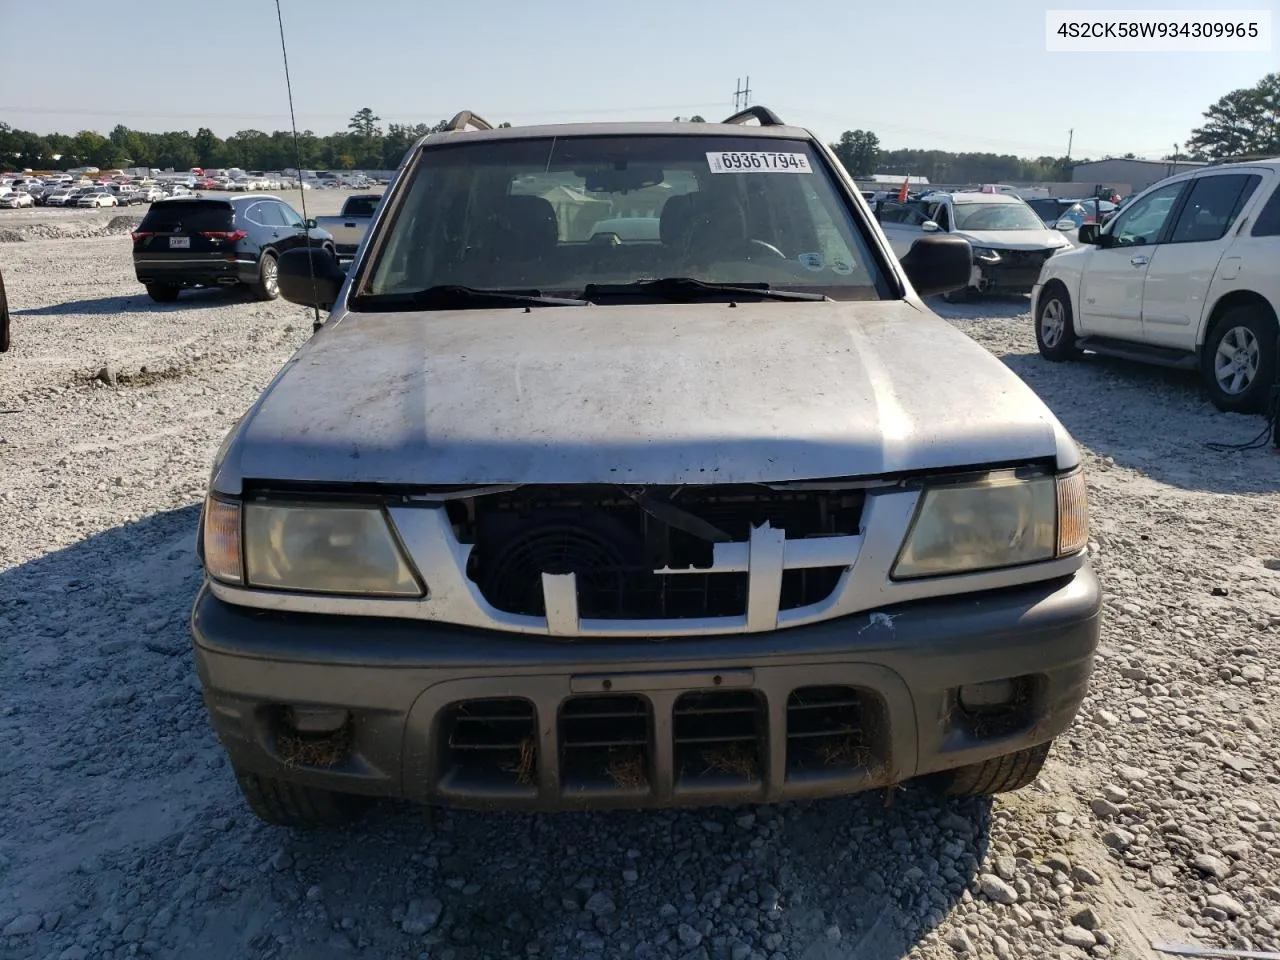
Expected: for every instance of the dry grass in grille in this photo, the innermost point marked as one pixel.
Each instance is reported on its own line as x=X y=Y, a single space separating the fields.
x=526 y=764
x=324 y=751
x=845 y=750
x=733 y=758
x=626 y=769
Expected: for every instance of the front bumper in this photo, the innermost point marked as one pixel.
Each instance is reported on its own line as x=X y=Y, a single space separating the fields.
x=472 y=718
x=1016 y=273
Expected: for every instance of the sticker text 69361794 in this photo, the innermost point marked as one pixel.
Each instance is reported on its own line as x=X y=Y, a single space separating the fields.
x=755 y=161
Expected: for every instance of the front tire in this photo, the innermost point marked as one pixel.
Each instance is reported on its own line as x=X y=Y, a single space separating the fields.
x=268 y=284
x=162 y=292
x=1239 y=360
x=1055 y=327
x=284 y=804
x=1004 y=774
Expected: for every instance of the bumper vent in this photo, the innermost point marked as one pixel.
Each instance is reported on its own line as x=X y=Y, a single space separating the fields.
x=490 y=745
x=832 y=730
x=719 y=737
x=604 y=744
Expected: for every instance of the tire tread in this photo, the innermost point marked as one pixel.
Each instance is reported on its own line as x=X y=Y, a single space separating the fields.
x=1004 y=774
x=286 y=804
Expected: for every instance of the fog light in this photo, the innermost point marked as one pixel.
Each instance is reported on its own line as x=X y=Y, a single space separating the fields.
x=993 y=693
x=315 y=719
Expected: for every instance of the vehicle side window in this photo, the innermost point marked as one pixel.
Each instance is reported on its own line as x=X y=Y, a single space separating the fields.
x=270 y=214
x=288 y=216
x=942 y=216
x=893 y=212
x=1268 y=223
x=1212 y=207
x=1145 y=220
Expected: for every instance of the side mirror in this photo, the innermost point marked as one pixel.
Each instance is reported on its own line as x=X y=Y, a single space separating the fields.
x=311 y=223
x=1088 y=233
x=930 y=226
x=938 y=264
x=310 y=277
x=1066 y=225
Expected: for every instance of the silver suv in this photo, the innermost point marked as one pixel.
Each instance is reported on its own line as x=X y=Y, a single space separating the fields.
x=555 y=514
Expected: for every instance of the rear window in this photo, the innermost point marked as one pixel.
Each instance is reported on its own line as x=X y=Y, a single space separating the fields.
x=360 y=207
x=188 y=214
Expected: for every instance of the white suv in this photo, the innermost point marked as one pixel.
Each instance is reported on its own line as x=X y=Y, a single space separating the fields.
x=1184 y=276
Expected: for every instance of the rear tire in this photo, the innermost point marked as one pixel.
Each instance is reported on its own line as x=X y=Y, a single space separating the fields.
x=1249 y=334
x=162 y=292
x=1055 y=326
x=267 y=286
x=1004 y=774
x=286 y=804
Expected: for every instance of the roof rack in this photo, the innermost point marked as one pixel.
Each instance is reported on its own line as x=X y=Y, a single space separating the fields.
x=465 y=117
x=766 y=117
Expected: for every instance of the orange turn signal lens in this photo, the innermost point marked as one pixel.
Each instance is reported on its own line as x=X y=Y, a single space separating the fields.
x=1073 y=514
x=222 y=541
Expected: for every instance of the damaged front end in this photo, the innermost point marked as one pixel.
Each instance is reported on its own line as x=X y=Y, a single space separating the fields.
x=576 y=554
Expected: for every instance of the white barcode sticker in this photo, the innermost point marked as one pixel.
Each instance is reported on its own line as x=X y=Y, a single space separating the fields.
x=758 y=162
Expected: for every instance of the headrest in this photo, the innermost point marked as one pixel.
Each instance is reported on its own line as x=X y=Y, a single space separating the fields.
x=526 y=227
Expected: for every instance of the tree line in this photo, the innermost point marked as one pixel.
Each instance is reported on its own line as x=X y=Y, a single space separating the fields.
x=364 y=145
x=1244 y=122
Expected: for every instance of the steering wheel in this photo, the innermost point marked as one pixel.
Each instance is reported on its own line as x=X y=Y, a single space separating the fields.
x=771 y=248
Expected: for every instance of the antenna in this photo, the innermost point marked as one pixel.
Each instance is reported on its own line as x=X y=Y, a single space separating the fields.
x=297 y=164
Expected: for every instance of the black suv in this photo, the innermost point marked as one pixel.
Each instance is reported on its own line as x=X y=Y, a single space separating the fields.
x=198 y=242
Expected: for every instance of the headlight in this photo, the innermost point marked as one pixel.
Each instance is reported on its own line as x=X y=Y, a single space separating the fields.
x=985 y=255
x=324 y=549
x=306 y=547
x=1000 y=521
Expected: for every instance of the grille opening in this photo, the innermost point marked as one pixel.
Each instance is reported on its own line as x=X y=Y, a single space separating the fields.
x=832 y=730
x=489 y=744
x=605 y=743
x=614 y=545
x=719 y=737
x=1004 y=719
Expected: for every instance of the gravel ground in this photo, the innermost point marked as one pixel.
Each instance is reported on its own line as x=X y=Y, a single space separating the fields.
x=1158 y=815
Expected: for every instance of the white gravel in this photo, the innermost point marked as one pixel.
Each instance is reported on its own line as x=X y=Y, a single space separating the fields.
x=122 y=832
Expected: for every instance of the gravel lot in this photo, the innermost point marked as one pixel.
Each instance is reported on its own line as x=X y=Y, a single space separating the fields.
x=1158 y=816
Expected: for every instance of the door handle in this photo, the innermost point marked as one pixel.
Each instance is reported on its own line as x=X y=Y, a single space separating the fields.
x=1139 y=261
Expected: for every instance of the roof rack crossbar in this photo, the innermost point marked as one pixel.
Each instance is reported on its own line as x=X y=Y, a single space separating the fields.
x=464 y=118
x=766 y=117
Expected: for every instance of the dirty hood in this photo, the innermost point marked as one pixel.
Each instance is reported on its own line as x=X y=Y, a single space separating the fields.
x=656 y=394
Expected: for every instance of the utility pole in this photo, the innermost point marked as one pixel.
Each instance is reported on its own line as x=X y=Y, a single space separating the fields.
x=741 y=96
x=1071 y=135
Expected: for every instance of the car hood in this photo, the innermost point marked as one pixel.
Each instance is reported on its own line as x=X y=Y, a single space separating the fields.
x=655 y=394
x=1016 y=239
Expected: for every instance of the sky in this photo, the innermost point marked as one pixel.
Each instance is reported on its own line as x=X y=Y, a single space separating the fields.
x=930 y=74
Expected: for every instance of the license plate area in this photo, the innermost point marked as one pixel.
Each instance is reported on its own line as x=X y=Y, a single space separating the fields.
x=179 y=243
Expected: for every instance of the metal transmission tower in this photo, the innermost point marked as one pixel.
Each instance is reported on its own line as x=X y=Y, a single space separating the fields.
x=741 y=95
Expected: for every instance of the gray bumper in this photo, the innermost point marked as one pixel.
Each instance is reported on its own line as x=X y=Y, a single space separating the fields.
x=679 y=722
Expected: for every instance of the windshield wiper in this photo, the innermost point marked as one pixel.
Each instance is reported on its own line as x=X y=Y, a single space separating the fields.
x=688 y=289
x=452 y=296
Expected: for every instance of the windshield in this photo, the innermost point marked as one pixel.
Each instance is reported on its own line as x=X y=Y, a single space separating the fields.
x=996 y=216
x=554 y=215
